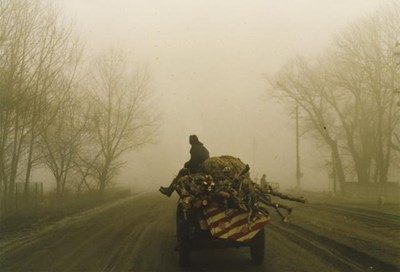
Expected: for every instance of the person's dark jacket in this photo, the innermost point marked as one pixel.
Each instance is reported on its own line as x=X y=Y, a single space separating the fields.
x=198 y=154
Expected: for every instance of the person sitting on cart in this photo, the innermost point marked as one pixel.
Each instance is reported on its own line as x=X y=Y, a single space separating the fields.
x=263 y=181
x=198 y=154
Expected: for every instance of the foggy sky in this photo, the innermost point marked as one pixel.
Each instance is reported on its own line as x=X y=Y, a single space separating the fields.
x=208 y=61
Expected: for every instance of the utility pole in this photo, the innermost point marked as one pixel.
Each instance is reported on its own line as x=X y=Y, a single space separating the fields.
x=298 y=172
x=334 y=180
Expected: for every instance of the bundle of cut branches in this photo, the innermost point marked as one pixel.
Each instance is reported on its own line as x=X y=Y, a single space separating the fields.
x=225 y=181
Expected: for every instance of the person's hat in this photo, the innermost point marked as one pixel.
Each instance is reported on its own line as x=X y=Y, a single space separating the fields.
x=193 y=139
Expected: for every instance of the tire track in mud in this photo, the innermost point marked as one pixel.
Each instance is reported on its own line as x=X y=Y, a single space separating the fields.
x=75 y=240
x=128 y=245
x=341 y=256
x=139 y=235
x=110 y=248
x=21 y=241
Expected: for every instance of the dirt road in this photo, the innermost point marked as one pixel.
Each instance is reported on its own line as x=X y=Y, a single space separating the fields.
x=138 y=234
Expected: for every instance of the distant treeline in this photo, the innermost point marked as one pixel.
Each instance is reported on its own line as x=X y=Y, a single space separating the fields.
x=349 y=99
x=60 y=109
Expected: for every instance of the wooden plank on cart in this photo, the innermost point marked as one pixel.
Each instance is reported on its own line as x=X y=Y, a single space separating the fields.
x=233 y=224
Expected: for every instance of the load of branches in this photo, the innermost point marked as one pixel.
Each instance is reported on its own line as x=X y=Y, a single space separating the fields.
x=225 y=182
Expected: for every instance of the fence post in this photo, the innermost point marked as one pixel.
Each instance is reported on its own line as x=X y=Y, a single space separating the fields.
x=41 y=192
x=36 y=195
x=16 y=196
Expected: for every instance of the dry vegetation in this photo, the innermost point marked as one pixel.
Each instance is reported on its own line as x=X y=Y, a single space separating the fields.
x=59 y=112
x=349 y=99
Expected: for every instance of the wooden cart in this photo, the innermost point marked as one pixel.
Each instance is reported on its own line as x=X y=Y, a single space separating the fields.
x=224 y=229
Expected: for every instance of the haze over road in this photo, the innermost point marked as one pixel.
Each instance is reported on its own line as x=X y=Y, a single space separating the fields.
x=138 y=234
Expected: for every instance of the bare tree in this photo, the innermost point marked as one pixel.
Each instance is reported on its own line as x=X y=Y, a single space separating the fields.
x=348 y=96
x=56 y=51
x=61 y=141
x=364 y=72
x=122 y=118
x=396 y=143
x=35 y=52
x=301 y=84
x=13 y=105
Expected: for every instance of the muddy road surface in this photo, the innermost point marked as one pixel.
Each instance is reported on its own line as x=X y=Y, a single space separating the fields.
x=138 y=234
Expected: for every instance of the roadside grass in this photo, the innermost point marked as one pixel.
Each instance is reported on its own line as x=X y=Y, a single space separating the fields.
x=359 y=201
x=51 y=209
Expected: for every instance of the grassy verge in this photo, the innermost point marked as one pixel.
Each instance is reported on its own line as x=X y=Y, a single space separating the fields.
x=50 y=209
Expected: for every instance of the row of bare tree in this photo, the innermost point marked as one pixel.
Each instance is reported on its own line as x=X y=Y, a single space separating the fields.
x=57 y=111
x=350 y=98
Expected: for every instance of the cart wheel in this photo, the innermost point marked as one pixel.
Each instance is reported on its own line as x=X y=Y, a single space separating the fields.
x=184 y=253
x=257 y=246
x=183 y=232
